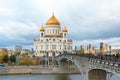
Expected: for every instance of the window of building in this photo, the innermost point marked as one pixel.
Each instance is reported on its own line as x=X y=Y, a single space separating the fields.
x=53 y=39
x=60 y=40
x=64 y=40
x=41 y=34
x=47 y=40
x=65 y=35
x=41 y=40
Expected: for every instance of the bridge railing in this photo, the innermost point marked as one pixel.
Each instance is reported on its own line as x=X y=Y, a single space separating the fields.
x=104 y=60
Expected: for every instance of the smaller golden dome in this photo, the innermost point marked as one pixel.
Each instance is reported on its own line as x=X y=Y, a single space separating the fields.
x=65 y=29
x=42 y=29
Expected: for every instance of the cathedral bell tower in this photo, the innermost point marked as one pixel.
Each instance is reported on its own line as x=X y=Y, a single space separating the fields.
x=64 y=31
x=42 y=32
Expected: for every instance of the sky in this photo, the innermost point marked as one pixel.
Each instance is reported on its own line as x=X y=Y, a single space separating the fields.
x=87 y=21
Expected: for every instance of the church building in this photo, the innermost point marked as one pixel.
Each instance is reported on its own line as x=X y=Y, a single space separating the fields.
x=53 y=40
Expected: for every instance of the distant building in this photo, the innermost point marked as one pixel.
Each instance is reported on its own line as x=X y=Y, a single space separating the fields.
x=88 y=49
x=10 y=52
x=18 y=49
x=31 y=50
x=101 y=47
x=26 y=52
x=105 y=48
x=115 y=51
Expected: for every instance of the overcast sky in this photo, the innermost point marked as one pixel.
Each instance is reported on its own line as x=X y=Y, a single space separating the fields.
x=88 y=21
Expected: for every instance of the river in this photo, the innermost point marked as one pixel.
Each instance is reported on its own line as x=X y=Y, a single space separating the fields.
x=47 y=77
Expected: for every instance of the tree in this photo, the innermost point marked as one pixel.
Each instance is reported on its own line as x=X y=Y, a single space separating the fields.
x=26 y=60
x=2 y=55
x=12 y=58
x=5 y=59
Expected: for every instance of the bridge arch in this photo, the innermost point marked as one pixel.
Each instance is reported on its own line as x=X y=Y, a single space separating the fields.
x=74 y=60
x=97 y=74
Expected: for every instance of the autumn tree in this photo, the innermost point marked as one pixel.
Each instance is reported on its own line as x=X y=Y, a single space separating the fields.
x=3 y=56
x=5 y=59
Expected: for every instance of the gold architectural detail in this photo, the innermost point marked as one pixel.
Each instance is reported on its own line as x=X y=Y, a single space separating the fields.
x=65 y=29
x=55 y=36
x=61 y=33
x=42 y=29
x=53 y=21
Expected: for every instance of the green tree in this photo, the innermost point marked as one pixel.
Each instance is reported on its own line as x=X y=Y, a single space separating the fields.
x=12 y=58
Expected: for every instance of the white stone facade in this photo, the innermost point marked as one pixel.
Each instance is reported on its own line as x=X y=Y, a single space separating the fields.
x=53 y=41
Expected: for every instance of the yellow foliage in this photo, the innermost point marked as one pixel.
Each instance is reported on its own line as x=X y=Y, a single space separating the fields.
x=34 y=62
x=2 y=56
x=27 y=61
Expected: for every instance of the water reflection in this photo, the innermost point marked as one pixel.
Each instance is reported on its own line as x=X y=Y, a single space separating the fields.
x=62 y=77
x=52 y=77
x=97 y=74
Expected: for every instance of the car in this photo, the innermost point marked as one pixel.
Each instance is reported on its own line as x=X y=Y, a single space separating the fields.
x=103 y=62
x=111 y=64
x=107 y=63
x=117 y=65
x=2 y=65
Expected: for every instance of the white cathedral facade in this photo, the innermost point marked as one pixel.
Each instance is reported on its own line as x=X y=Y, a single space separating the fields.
x=53 y=40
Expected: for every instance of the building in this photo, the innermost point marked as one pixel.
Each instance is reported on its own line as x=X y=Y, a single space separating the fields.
x=105 y=48
x=26 y=52
x=53 y=41
x=18 y=49
x=10 y=52
x=88 y=49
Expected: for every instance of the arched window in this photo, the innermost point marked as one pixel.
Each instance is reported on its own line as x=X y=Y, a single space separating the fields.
x=41 y=34
x=65 y=35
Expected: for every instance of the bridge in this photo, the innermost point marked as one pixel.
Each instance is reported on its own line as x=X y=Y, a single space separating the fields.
x=87 y=63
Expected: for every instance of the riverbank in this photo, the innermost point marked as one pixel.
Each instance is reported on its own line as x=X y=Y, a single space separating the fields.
x=37 y=70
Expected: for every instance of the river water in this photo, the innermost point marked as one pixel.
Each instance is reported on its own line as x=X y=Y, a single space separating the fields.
x=47 y=77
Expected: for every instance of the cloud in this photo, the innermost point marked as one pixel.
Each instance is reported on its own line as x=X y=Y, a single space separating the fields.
x=87 y=21
x=18 y=33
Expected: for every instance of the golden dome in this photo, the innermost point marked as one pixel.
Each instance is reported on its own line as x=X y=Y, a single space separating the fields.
x=42 y=29
x=65 y=29
x=53 y=21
